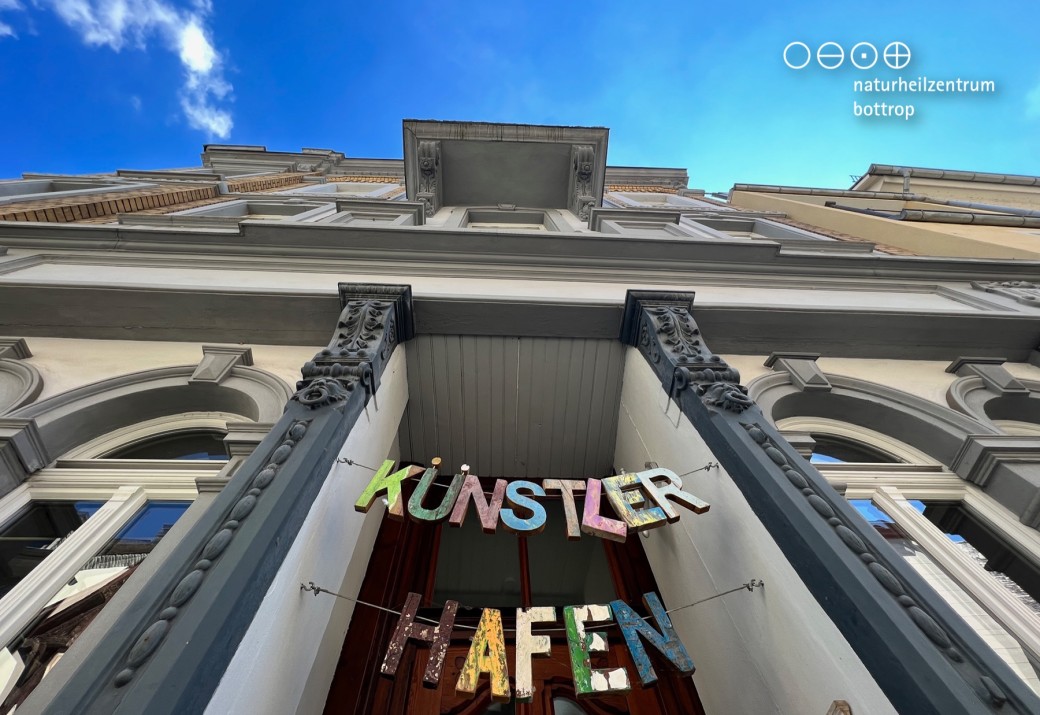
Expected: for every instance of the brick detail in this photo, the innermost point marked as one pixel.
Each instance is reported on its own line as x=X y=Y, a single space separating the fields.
x=103 y=207
x=265 y=183
x=366 y=179
x=641 y=189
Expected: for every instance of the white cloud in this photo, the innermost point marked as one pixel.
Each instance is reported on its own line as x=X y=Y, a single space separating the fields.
x=117 y=24
x=5 y=29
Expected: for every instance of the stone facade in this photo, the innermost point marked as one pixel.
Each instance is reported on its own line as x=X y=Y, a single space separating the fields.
x=564 y=319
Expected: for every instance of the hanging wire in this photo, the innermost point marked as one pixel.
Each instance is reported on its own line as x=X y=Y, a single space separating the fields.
x=311 y=586
x=706 y=467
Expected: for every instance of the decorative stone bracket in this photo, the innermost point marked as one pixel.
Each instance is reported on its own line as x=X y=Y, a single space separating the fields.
x=430 y=190
x=217 y=361
x=582 y=192
x=661 y=326
x=993 y=374
x=22 y=452
x=801 y=367
x=375 y=318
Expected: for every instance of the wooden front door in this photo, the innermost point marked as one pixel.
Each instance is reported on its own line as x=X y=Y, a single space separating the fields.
x=404 y=560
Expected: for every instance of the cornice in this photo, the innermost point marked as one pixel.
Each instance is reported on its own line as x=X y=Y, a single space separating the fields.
x=452 y=245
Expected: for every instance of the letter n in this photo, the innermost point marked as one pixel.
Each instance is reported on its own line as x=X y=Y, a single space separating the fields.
x=667 y=641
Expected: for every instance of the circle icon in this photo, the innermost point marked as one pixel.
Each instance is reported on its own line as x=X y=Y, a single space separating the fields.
x=897 y=55
x=787 y=57
x=830 y=55
x=864 y=55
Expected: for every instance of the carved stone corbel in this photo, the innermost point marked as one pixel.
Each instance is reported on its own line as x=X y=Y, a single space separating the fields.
x=429 y=190
x=583 y=166
x=374 y=319
x=661 y=326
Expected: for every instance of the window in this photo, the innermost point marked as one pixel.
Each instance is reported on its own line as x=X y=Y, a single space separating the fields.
x=951 y=532
x=831 y=449
x=74 y=532
x=35 y=533
x=206 y=445
x=506 y=217
x=939 y=565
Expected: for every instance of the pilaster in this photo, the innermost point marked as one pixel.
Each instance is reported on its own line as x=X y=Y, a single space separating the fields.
x=918 y=650
x=184 y=625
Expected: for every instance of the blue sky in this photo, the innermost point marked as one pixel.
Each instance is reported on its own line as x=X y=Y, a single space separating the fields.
x=96 y=85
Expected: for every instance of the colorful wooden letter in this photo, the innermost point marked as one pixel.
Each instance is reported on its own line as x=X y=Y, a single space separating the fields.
x=439 y=513
x=487 y=512
x=568 y=488
x=517 y=525
x=596 y=525
x=528 y=646
x=437 y=636
x=626 y=495
x=589 y=681
x=662 y=485
x=385 y=483
x=486 y=655
x=667 y=641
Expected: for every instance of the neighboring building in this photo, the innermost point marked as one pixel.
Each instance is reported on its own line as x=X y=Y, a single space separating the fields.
x=503 y=299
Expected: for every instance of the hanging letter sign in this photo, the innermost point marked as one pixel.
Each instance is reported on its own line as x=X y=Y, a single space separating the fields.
x=487 y=654
x=642 y=500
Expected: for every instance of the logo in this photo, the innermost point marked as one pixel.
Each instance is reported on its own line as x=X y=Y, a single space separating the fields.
x=831 y=55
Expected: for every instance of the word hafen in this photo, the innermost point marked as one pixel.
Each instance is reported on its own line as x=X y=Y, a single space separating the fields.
x=487 y=654
x=643 y=501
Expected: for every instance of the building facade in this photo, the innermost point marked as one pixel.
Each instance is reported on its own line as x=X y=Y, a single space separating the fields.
x=249 y=408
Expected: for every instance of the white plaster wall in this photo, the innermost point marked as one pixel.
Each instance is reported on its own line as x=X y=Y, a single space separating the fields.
x=66 y=364
x=771 y=651
x=286 y=661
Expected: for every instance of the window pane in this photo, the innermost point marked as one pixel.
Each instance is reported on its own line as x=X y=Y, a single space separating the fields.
x=35 y=533
x=182 y=445
x=1000 y=639
x=835 y=450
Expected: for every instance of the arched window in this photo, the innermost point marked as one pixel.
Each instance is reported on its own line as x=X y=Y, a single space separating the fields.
x=125 y=458
x=890 y=454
